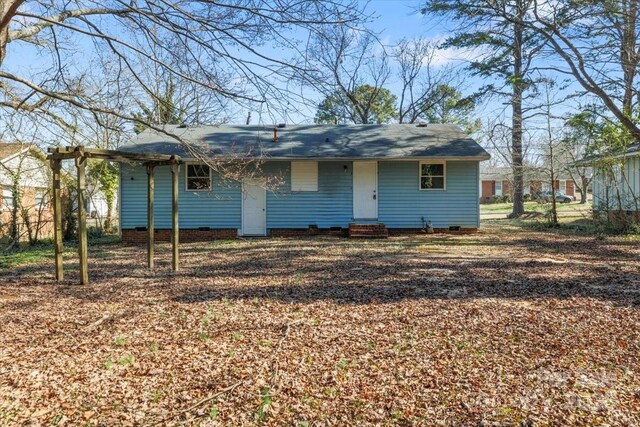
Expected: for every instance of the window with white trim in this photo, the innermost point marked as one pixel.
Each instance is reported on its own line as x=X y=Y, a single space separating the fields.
x=198 y=177
x=433 y=175
x=304 y=176
x=563 y=186
x=498 y=188
x=41 y=200
x=7 y=199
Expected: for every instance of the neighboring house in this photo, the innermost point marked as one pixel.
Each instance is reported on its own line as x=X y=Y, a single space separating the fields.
x=97 y=206
x=402 y=177
x=497 y=181
x=617 y=187
x=27 y=163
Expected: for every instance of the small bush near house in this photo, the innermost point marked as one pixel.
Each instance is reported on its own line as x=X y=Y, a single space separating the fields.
x=94 y=232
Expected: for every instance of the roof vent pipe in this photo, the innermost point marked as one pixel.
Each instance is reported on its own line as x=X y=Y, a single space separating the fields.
x=282 y=125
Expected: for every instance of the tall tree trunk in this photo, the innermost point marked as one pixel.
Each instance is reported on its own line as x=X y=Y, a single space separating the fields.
x=516 y=127
x=108 y=223
x=583 y=190
x=629 y=56
x=8 y=10
x=14 y=233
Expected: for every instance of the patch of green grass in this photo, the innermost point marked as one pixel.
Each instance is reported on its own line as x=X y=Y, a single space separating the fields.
x=505 y=208
x=154 y=347
x=264 y=343
x=126 y=360
x=203 y=336
x=108 y=363
x=43 y=251
x=223 y=242
x=29 y=255
x=261 y=413
x=120 y=341
x=342 y=364
x=213 y=412
x=236 y=336
x=207 y=317
x=329 y=391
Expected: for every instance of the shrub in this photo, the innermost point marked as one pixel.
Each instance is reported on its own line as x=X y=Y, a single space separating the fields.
x=94 y=232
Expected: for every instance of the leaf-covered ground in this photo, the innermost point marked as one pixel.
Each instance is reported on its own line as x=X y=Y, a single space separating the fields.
x=497 y=328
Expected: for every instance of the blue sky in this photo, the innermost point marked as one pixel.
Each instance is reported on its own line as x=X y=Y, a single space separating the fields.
x=395 y=19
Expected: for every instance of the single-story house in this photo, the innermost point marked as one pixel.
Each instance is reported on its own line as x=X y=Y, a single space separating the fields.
x=26 y=164
x=616 y=185
x=393 y=177
x=497 y=181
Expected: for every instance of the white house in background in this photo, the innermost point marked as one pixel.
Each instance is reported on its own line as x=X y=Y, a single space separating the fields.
x=27 y=163
x=617 y=188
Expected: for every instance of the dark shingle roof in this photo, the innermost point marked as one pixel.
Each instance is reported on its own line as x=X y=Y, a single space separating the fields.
x=315 y=141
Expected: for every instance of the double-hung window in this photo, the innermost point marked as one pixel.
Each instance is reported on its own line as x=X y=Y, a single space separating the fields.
x=198 y=177
x=41 y=201
x=433 y=175
x=7 y=199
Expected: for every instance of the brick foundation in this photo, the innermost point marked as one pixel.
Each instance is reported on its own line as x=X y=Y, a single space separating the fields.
x=197 y=235
x=186 y=235
x=413 y=231
x=300 y=232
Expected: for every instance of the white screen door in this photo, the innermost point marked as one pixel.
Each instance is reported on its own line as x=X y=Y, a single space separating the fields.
x=254 y=209
x=365 y=190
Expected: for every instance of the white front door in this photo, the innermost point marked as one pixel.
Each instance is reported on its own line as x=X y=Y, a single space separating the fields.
x=254 y=209
x=365 y=190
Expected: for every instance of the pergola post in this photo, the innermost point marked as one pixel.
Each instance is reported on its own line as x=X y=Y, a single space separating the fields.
x=81 y=154
x=56 y=167
x=150 y=224
x=81 y=163
x=175 y=172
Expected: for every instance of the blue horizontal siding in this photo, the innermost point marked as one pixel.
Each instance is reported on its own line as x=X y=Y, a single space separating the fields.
x=219 y=208
x=401 y=204
x=330 y=206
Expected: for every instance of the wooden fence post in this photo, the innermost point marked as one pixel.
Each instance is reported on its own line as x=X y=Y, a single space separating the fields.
x=56 y=167
x=81 y=163
x=150 y=224
x=175 y=172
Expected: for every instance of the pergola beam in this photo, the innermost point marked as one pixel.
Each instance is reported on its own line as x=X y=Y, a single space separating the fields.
x=113 y=155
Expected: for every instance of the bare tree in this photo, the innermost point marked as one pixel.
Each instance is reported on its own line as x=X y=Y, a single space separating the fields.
x=599 y=44
x=579 y=140
x=218 y=47
x=418 y=76
x=349 y=67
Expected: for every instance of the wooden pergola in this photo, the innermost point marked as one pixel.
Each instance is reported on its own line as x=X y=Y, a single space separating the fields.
x=80 y=155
